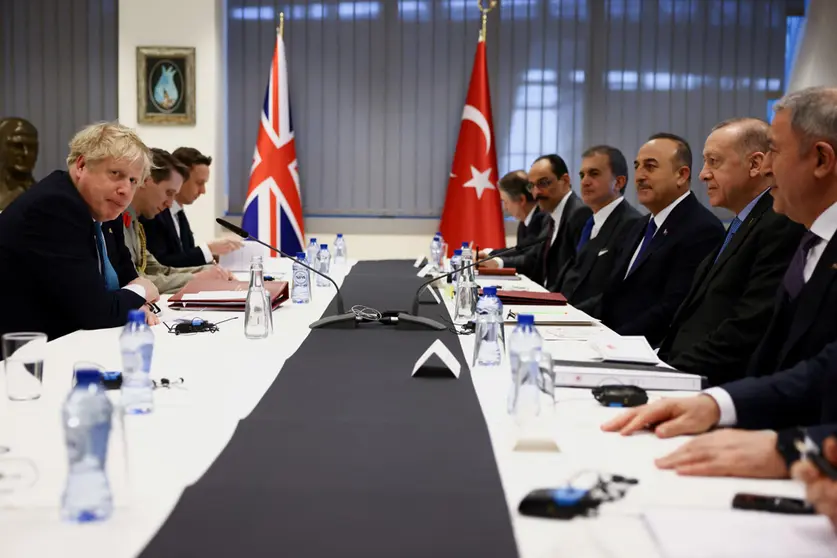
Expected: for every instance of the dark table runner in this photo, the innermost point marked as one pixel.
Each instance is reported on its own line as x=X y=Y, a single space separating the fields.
x=348 y=455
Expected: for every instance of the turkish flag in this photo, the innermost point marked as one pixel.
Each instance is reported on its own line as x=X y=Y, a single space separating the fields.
x=472 y=205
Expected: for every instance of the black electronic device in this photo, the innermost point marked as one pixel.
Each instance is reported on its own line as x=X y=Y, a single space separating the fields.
x=558 y=503
x=413 y=320
x=773 y=504
x=343 y=319
x=620 y=395
x=195 y=325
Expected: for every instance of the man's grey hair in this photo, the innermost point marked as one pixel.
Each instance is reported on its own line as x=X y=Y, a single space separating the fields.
x=813 y=114
x=752 y=136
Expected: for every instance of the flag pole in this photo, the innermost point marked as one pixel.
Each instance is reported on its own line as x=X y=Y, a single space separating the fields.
x=281 y=29
x=484 y=12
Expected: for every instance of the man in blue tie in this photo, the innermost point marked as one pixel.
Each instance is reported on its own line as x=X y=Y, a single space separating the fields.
x=727 y=311
x=767 y=410
x=62 y=270
x=659 y=256
x=604 y=175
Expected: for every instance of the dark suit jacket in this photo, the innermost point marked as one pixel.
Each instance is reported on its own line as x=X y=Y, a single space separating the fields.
x=51 y=280
x=644 y=302
x=569 y=231
x=588 y=272
x=803 y=395
x=800 y=329
x=537 y=225
x=163 y=241
x=725 y=315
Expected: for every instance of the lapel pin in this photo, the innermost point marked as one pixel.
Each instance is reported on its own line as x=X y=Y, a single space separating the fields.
x=665 y=232
x=834 y=266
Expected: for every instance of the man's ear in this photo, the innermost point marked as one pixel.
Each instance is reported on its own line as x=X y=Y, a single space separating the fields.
x=826 y=159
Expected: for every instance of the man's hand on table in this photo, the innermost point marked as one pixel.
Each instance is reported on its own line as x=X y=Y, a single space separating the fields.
x=728 y=453
x=668 y=417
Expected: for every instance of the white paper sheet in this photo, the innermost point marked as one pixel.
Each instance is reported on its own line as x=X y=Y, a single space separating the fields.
x=684 y=533
x=240 y=259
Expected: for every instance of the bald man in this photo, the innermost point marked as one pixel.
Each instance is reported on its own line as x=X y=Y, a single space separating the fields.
x=727 y=311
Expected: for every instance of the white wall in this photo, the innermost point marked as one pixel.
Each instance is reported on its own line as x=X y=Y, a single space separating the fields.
x=180 y=23
x=814 y=58
x=200 y=24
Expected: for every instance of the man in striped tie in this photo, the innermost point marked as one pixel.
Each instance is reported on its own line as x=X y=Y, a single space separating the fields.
x=724 y=316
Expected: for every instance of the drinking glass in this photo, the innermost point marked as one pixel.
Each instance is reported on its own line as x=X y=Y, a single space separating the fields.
x=23 y=354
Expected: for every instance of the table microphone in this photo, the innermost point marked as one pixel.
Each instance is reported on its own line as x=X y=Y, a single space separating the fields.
x=413 y=317
x=330 y=321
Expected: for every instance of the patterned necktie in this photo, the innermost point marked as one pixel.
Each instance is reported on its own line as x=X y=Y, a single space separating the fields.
x=646 y=241
x=795 y=275
x=733 y=228
x=585 y=234
x=111 y=279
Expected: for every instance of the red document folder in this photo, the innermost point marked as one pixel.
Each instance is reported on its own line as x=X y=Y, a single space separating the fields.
x=278 y=294
x=531 y=299
x=497 y=272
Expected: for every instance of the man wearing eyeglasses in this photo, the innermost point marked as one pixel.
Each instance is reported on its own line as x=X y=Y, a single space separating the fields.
x=549 y=183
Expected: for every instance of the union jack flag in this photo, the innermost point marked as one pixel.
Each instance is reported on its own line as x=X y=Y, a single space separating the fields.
x=273 y=209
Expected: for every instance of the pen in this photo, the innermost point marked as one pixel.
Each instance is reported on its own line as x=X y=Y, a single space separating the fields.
x=810 y=451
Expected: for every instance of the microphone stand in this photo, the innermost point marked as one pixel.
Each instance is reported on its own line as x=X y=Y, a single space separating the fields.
x=414 y=321
x=343 y=319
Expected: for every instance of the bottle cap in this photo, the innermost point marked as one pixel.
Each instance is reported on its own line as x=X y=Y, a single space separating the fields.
x=465 y=245
x=323 y=246
x=489 y=291
x=88 y=376
x=525 y=319
x=457 y=252
x=313 y=240
x=300 y=255
x=136 y=316
x=339 y=235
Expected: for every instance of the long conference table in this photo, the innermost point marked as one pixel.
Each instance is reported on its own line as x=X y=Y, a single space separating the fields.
x=320 y=443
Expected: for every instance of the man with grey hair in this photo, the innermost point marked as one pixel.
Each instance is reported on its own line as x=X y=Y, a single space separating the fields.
x=726 y=313
x=62 y=270
x=769 y=410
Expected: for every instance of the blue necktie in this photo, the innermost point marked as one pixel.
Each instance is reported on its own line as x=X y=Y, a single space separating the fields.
x=111 y=279
x=733 y=228
x=585 y=234
x=646 y=241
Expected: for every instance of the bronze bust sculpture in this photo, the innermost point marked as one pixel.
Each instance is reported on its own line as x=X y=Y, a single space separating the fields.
x=18 y=153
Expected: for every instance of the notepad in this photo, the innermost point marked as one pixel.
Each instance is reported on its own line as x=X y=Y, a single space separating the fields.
x=216 y=295
x=684 y=533
x=549 y=315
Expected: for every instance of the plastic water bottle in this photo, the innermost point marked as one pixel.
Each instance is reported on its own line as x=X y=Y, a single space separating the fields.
x=455 y=261
x=301 y=291
x=341 y=256
x=525 y=344
x=487 y=351
x=257 y=310
x=312 y=250
x=137 y=344
x=87 y=415
x=436 y=250
x=465 y=297
x=324 y=261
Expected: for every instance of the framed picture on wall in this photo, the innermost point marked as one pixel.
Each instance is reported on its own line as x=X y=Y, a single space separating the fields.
x=166 y=85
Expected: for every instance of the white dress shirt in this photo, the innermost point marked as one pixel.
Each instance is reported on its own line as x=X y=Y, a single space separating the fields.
x=555 y=216
x=601 y=216
x=659 y=219
x=528 y=218
x=207 y=253
x=824 y=227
